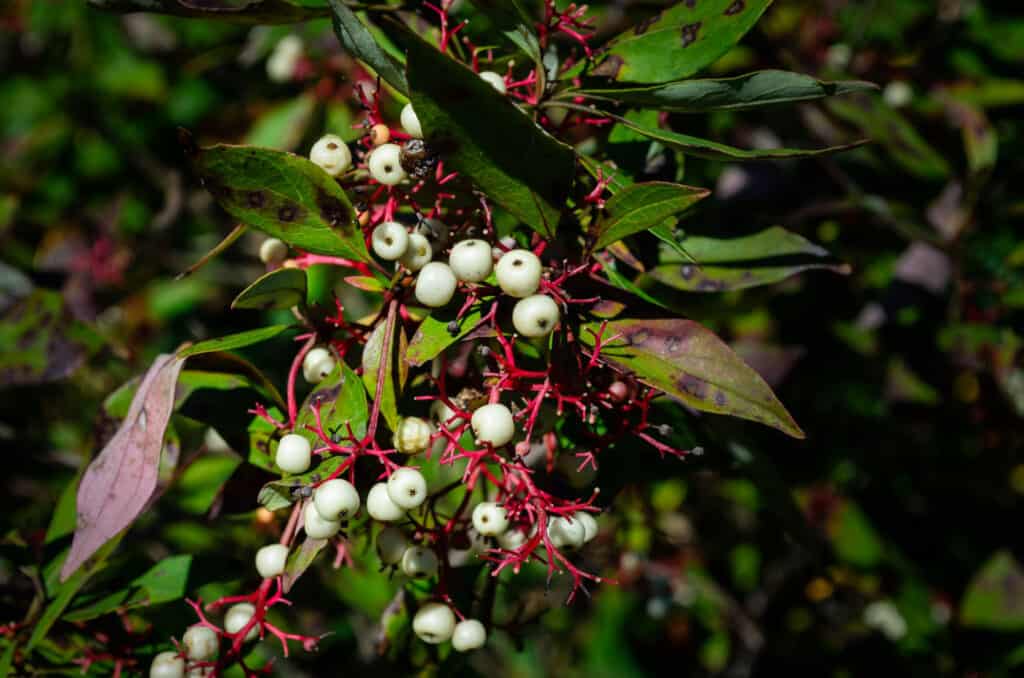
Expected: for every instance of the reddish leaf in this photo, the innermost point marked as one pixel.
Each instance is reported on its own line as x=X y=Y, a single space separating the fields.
x=121 y=480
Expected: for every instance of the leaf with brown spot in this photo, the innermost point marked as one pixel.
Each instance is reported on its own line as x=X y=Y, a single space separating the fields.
x=686 y=360
x=240 y=11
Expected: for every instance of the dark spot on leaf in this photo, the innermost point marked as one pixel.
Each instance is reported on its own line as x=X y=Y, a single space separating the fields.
x=686 y=271
x=689 y=33
x=334 y=212
x=610 y=67
x=672 y=344
x=642 y=27
x=287 y=213
x=709 y=285
x=453 y=328
x=327 y=395
x=256 y=199
x=720 y=399
x=690 y=3
x=735 y=8
x=698 y=388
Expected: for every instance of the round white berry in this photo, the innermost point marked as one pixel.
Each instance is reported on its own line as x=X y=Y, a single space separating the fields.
x=435 y=285
x=510 y=540
x=385 y=164
x=273 y=251
x=418 y=254
x=469 y=634
x=238 y=616
x=434 y=623
x=407 y=488
x=470 y=260
x=167 y=665
x=494 y=80
x=419 y=562
x=271 y=559
x=336 y=499
x=434 y=230
x=518 y=273
x=391 y=545
x=200 y=642
x=413 y=435
x=380 y=505
x=589 y=524
x=331 y=153
x=566 y=533
x=317 y=364
x=493 y=424
x=294 y=454
x=316 y=526
x=411 y=122
x=535 y=316
x=490 y=519
x=390 y=241
x=444 y=415
x=284 y=58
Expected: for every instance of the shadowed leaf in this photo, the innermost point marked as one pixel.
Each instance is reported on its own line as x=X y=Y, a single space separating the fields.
x=995 y=597
x=162 y=583
x=355 y=37
x=281 y=288
x=242 y=11
x=232 y=341
x=300 y=560
x=341 y=398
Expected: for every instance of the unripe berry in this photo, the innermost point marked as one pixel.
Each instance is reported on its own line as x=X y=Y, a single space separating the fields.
x=411 y=122
x=469 y=634
x=419 y=563
x=331 y=153
x=294 y=454
x=390 y=240
x=391 y=545
x=385 y=164
x=271 y=560
x=238 y=616
x=273 y=251
x=167 y=665
x=566 y=533
x=518 y=273
x=490 y=519
x=316 y=526
x=493 y=424
x=589 y=524
x=317 y=364
x=380 y=134
x=284 y=58
x=434 y=623
x=200 y=642
x=470 y=260
x=413 y=435
x=535 y=316
x=381 y=507
x=418 y=254
x=336 y=499
x=407 y=488
x=494 y=80
x=435 y=285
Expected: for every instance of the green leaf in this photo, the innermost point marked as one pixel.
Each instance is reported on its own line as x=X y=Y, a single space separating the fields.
x=641 y=206
x=679 y=41
x=277 y=494
x=342 y=402
x=356 y=38
x=375 y=350
x=283 y=195
x=198 y=486
x=300 y=560
x=241 y=11
x=995 y=596
x=280 y=288
x=485 y=136
x=760 y=88
x=432 y=336
x=737 y=263
x=853 y=537
x=515 y=24
x=283 y=126
x=164 y=582
x=686 y=360
x=232 y=341
x=62 y=523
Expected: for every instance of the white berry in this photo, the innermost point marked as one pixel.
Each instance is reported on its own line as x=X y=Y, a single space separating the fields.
x=490 y=519
x=435 y=285
x=434 y=623
x=271 y=559
x=494 y=80
x=391 y=545
x=493 y=424
x=535 y=316
x=419 y=562
x=238 y=616
x=510 y=540
x=444 y=415
x=434 y=230
x=273 y=251
x=317 y=364
x=470 y=260
x=566 y=533
x=284 y=58
x=390 y=241
x=418 y=254
x=167 y=665
x=411 y=122
x=294 y=454
x=413 y=435
x=589 y=524
x=380 y=505
x=407 y=488
x=385 y=164
x=469 y=634
x=336 y=499
x=518 y=273
x=316 y=526
x=200 y=642
x=331 y=153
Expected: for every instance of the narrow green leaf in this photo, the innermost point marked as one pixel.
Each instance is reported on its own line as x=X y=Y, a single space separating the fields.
x=7 y=660
x=232 y=341
x=62 y=523
x=687 y=361
x=641 y=206
x=374 y=351
x=760 y=88
x=241 y=11
x=280 y=288
x=679 y=41
x=164 y=582
x=433 y=335
x=995 y=596
x=283 y=126
x=357 y=39
x=300 y=560
x=282 y=194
